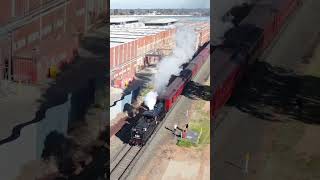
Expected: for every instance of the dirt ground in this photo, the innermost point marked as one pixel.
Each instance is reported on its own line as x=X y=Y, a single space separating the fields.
x=292 y=149
x=173 y=162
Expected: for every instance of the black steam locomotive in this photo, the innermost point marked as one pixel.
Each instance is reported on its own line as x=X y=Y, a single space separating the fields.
x=147 y=124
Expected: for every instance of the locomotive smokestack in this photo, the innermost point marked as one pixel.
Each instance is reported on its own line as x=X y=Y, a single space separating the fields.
x=185 y=47
x=151 y=99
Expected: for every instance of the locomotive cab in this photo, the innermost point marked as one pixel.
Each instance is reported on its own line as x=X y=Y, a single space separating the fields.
x=156 y=114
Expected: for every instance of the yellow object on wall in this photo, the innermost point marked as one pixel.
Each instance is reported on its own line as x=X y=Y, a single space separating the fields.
x=53 y=72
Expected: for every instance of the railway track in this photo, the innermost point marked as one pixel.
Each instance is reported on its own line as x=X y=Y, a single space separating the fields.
x=127 y=155
x=123 y=161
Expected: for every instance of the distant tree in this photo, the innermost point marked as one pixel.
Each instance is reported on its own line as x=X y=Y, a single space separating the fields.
x=116 y=12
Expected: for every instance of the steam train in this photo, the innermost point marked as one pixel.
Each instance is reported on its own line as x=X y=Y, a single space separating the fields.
x=151 y=118
x=242 y=45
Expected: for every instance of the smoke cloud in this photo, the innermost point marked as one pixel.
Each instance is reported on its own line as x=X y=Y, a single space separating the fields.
x=151 y=99
x=184 y=50
x=186 y=44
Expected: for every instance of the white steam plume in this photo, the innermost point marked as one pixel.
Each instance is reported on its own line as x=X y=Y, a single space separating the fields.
x=151 y=99
x=185 y=47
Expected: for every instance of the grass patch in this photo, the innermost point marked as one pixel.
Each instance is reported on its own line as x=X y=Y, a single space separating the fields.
x=200 y=122
x=204 y=128
x=185 y=143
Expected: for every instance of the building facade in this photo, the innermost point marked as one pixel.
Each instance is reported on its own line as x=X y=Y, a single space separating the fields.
x=40 y=35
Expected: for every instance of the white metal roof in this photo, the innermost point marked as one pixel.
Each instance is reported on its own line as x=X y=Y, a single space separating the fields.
x=114 y=44
x=162 y=21
x=122 y=19
x=125 y=36
x=121 y=40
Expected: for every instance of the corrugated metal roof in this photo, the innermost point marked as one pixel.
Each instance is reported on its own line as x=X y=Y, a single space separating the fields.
x=125 y=36
x=121 y=40
x=162 y=21
x=114 y=44
x=122 y=19
x=120 y=35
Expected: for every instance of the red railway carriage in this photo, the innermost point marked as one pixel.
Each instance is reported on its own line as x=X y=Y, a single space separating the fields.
x=172 y=93
x=270 y=17
x=175 y=89
x=221 y=68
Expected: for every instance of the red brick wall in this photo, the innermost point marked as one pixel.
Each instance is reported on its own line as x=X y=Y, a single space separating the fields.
x=5 y=11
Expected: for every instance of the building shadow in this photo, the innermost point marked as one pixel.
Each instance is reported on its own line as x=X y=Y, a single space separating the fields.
x=268 y=92
x=194 y=90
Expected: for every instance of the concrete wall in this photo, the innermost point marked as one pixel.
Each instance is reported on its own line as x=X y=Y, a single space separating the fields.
x=16 y=154
x=56 y=120
x=28 y=147
x=119 y=106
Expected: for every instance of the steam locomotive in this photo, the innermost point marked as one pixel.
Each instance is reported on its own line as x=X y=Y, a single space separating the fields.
x=151 y=118
x=147 y=124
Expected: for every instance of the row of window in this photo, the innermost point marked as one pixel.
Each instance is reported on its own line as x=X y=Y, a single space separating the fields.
x=145 y=49
x=35 y=35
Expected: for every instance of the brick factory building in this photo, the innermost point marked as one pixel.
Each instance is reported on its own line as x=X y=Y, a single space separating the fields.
x=42 y=35
x=133 y=45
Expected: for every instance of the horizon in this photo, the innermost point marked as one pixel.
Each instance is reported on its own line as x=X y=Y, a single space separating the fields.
x=164 y=4
x=157 y=8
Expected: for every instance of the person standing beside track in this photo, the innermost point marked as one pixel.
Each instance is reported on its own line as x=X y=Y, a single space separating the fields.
x=175 y=129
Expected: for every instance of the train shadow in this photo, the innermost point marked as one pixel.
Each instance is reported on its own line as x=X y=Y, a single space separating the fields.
x=194 y=90
x=268 y=92
x=125 y=132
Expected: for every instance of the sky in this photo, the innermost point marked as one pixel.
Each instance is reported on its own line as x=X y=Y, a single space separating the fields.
x=150 y=4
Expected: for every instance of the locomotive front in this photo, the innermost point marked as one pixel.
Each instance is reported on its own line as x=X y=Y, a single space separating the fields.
x=137 y=136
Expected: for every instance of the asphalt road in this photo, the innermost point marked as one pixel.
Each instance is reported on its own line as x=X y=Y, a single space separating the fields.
x=242 y=132
x=177 y=115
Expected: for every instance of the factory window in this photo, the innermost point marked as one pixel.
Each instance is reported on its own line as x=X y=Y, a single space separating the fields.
x=58 y=24
x=47 y=30
x=32 y=37
x=80 y=12
x=21 y=43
